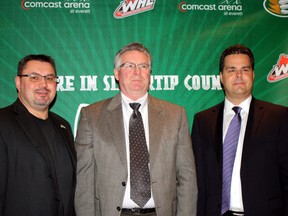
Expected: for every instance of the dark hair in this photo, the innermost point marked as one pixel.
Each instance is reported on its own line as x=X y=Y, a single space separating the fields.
x=236 y=49
x=39 y=57
x=131 y=47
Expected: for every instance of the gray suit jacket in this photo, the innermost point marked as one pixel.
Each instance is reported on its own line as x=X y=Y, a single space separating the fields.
x=102 y=161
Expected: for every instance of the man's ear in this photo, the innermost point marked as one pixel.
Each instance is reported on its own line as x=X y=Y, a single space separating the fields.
x=18 y=83
x=116 y=74
x=220 y=76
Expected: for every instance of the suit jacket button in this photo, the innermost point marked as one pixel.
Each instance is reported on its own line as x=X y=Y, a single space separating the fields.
x=118 y=208
x=50 y=176
x=124 y=184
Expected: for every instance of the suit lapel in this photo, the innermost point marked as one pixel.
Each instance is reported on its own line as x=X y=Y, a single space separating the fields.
x=155 y=119
x=216 y=127
x=63 y=130
x=254 y=119
x=115 y=123
x=31 y=129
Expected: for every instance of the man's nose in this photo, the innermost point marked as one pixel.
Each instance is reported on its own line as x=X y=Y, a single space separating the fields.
x=43 y=81
x=239 y=73
x=137 y=70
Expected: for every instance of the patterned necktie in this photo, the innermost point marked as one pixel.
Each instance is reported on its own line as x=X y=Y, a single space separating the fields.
x=139 y=159
x=229 y=152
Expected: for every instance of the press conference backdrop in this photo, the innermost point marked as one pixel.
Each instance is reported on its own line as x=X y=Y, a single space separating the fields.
x=186 y=39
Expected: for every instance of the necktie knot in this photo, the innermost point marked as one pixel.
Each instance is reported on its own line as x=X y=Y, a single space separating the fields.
x=135 y=107
x=237 y=109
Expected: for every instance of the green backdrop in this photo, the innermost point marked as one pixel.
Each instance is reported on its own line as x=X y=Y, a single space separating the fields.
x=186 y=39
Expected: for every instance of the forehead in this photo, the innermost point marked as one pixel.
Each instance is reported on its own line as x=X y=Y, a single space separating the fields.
x=237 y=60
x=39 y=67
x=134 y=56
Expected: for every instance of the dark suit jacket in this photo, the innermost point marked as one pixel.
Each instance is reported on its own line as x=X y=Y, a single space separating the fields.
x=28 y=184
x=264 y=166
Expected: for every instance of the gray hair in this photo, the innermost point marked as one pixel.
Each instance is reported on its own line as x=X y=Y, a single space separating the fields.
x=131 y=47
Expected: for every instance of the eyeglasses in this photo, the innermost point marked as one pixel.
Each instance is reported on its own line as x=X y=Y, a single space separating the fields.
x=37 y=77
x=129 y=66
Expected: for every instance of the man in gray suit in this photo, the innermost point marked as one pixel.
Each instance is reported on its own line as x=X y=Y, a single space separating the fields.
x=102 y=145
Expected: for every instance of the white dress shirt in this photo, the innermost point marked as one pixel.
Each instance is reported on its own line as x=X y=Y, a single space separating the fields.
x=127 y=111
x=236 y=202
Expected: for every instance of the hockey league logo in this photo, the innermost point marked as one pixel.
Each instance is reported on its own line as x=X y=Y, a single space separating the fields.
x=279 y=71
x=132 y=7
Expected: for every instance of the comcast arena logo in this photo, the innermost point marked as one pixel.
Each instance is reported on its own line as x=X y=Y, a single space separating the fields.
x=228 y=7
x=74 y=6
x=132 y=7
x=277 y=8
x=280 y=70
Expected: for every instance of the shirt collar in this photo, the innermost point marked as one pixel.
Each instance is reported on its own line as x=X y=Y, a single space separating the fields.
x=126 y=100
x=245 y=105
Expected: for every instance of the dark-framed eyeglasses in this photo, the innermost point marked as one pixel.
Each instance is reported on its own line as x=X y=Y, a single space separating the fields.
x=34 y=77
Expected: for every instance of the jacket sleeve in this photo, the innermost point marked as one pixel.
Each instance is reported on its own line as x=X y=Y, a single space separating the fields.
x=3 y=171
x=84 y=196
x=199 y=168
x=186 y=173
x=283 y=159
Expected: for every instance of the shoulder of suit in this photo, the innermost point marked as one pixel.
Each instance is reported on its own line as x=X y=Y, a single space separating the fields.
x=268 y=105
x=12 y=110
x=163 y=104
x=58 y=118
x=7 y=115
x=213 y=109
x=102 y=102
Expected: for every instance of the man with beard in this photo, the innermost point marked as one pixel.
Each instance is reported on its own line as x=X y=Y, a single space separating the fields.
x=37 y=155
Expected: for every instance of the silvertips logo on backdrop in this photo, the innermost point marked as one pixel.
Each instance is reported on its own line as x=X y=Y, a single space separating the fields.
x=132 y=7
x=74 y=6
x=280 y=70
x=277 y=8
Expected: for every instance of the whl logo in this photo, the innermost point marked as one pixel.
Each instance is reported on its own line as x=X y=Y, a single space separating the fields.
x=279 y=71
x=277 y=8
x=132 y=7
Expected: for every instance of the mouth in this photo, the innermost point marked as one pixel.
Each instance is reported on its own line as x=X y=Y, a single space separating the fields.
x=238 y=81
x=136 y=80
x=42 y=92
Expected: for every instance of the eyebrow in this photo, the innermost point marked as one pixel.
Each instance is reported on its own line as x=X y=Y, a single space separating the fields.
x=51 y=74
x=233 y=67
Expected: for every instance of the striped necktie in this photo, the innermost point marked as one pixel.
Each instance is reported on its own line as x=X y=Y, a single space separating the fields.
x=229 y=152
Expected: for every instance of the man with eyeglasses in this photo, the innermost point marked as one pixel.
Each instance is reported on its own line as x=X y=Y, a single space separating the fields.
x=105 y=144
x=37 y=155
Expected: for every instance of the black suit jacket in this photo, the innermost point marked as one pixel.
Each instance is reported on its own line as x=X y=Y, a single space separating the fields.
x=264 y=166
x=28 y=183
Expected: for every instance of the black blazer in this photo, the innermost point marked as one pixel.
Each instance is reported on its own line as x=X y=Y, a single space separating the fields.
x=264 y=166
x=28 y=183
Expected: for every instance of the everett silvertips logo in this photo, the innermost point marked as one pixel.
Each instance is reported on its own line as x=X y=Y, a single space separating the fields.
x=277 y=8
x=132 y=7
x=280 y=70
